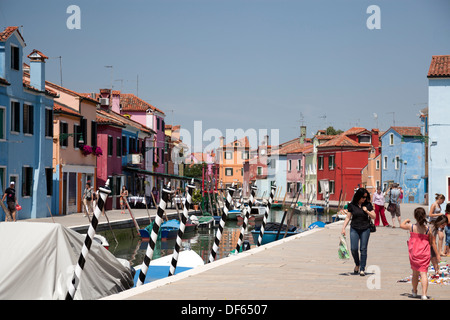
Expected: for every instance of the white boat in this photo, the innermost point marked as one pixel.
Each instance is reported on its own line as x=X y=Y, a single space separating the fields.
x=159 y=268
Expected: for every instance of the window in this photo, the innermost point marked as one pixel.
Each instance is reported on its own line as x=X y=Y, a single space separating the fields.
x=27 y=180
x=331 y=162
x=331 y=186
x=259 y=170
x=15 y=116
x=28 y=119
x=377 y=165
x=49 y=180
x=228 y=155
x=364 y=139
x=77 y=133
x=3 y=185
x=289 y=165
x=385 y=163
x=245 y=155
x=228 y=171
x=391 y=139
x=2 y=123
x=124 y=145
x=48 y=122
x=15 y=58
x=63 y=131
x=118 y=147
x=94 y=133
x=320 y=162
x=299 y=164
x=397 y=162
x=110 y=146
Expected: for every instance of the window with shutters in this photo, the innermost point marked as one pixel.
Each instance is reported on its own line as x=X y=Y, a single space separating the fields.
x=15 y=116
x=27 y=181
x=28 y=119
x=49 y=122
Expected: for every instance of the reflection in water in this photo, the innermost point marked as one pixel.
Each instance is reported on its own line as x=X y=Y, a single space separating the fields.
x=131 y=248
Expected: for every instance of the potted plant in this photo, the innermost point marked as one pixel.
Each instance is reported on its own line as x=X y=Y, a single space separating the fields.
x=196 y=198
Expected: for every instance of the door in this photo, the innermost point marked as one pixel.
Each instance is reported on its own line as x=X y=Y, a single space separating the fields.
x=72 y=194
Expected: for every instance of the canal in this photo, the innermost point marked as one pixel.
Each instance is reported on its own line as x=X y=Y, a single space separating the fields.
x=129 y=245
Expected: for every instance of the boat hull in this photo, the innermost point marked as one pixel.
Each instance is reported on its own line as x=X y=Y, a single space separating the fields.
x=271 y=236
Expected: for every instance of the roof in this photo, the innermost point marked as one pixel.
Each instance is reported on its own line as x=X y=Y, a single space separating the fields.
x=356 y=131
x=130 y=102
x=343 y=141
x=103 y=119
x=439 y=67
x=60 y=108
x=124 y=120
x=5 y=34
x=406 y=131
x=37 y=54
x=243 y=141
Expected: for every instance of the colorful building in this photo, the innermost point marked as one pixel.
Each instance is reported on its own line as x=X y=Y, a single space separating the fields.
x=26 y=131
x=438 y=124
x=403 y=161
x=230 y=158
x=341 y=160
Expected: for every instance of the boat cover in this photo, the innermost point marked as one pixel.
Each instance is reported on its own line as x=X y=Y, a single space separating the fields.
x=37 y=261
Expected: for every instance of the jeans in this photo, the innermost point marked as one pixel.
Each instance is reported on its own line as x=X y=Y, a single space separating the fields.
x=357 y=237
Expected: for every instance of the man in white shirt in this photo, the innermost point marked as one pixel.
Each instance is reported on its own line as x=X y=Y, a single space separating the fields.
x=394 y=197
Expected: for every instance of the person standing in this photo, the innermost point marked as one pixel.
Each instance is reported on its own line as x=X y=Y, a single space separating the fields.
x=11 y=200
x=419 y=250
x=435 y=212
x=435 y=225
x=394 y=197
x=87 y=199
x=359 y=211
x=123 y=198
x=378 y=201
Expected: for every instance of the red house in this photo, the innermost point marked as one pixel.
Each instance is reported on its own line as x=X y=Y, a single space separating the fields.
x=341 y=159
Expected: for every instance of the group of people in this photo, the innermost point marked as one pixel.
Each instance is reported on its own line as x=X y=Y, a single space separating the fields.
x=423 y=234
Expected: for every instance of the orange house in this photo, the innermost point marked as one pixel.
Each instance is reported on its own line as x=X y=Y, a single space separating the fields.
x=231 y=158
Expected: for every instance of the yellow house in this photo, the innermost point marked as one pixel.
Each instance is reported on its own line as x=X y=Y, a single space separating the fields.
x=231 y=158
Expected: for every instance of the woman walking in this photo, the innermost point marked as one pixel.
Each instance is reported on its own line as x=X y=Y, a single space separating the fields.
x=435 y=212
x=378 y=201
x=359 y=211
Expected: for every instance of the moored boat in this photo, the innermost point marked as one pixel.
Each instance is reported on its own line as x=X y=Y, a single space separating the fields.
x=272 y=232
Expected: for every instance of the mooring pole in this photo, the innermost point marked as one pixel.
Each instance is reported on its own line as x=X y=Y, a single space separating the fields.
x=104 y=192
x=247 y=212
x=184 y=217
x=266 y=214
x=154 y=235
x=223 y=219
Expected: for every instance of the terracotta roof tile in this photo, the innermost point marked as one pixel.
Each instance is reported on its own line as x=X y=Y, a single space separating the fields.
x=130 y=102
x=439 y=67
x=5 y=34
x=342 y=141
x=65 y=109
x=407 y=131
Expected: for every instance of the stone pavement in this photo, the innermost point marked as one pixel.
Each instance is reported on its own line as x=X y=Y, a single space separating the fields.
x=305 y=266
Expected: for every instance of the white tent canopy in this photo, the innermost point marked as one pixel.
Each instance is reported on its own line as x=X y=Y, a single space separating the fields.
x=37 y=261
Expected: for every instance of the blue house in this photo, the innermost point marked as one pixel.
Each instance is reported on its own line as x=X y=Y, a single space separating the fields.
x=26 y=127
x=403 y=162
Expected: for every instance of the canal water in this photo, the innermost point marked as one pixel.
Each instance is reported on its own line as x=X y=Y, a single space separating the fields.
x=132 y=248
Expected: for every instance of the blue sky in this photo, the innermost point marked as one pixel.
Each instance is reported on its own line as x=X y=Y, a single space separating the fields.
x=247 y=63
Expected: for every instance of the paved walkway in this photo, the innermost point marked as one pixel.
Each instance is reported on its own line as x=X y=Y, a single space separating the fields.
x=301 y=267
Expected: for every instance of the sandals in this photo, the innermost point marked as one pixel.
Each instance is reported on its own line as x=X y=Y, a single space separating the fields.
x=356 y=270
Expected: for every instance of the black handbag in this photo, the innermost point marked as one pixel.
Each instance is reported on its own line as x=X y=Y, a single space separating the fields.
x=372 y=227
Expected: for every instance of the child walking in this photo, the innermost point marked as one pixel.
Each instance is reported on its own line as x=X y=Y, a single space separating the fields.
x=419 y=250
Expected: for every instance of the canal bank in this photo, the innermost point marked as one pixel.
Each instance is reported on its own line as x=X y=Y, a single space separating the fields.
x=305 y=266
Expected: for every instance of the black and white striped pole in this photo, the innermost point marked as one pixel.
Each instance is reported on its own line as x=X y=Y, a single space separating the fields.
x=103 y=192
x=184 y=217
x=154 y=235
x=223 y=219
x=246 y=212
x=266 y=214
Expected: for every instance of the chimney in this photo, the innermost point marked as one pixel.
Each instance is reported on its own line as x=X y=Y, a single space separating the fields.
x=37 y=69
x=302 y=134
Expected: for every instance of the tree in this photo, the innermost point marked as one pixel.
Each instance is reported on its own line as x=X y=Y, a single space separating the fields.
x=331 y=131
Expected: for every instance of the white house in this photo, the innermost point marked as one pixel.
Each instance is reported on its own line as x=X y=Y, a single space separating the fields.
x=439 y=126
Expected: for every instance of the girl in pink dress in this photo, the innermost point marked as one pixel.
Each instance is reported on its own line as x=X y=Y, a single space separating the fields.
x=419 y=250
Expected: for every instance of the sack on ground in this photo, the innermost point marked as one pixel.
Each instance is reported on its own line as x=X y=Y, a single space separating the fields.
x=343 y=252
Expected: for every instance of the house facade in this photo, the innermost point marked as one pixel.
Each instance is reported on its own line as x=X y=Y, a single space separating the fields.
x=26 y=116
x=403 y=161
x=230 y=158
x=438 y=122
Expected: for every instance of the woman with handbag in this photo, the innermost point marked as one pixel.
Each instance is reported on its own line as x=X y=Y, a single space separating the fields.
x=360 y=212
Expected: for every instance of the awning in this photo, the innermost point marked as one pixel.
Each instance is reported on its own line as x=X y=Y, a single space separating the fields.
x=164 y=175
